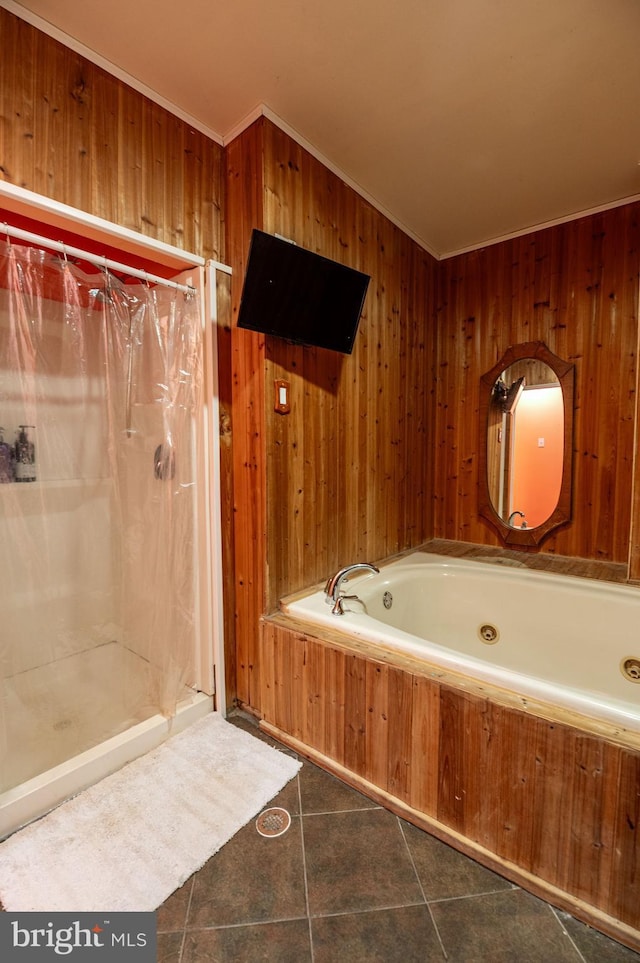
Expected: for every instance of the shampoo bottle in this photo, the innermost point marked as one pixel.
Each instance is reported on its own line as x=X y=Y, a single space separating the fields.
x=6 y=460
x=25 y=456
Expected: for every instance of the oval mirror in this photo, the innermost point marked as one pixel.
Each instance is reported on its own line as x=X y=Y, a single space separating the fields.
x=526 y=430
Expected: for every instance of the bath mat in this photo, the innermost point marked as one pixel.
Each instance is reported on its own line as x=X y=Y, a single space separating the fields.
x=126 y=843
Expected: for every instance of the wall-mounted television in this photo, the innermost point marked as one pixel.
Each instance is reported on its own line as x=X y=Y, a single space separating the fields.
x=295 y=294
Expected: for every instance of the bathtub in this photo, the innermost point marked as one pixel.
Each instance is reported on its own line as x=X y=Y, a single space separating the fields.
x=568 y=642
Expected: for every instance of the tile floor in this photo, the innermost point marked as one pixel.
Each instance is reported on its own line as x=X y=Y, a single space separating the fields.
x=349 y=882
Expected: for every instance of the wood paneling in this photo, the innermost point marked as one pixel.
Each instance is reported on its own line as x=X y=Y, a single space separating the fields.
x=73 y=132
x=552 y=807
x=575 y=287
x=246 y=405
x=348 y=470
x=223 y=295
x=346 y=475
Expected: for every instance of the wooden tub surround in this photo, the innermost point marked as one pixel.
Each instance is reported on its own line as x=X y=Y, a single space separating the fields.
x=547 y=798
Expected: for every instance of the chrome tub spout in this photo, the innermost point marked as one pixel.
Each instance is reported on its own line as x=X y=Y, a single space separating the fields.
x=332 y=588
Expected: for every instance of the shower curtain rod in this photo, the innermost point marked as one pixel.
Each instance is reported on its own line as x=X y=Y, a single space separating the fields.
x=101 y=262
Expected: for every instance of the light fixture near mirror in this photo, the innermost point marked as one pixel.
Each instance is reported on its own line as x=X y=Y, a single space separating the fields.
x=525 y=450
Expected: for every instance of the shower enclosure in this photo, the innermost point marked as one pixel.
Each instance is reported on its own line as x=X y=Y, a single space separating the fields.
x=102 y=517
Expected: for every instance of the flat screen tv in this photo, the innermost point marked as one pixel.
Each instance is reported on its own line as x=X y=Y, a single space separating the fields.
x=295 y=294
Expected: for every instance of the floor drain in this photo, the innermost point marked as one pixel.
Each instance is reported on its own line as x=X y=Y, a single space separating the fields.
x=630 y=669
x=273 y=822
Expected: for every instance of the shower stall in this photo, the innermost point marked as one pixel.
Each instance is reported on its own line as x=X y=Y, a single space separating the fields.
x=105 y=567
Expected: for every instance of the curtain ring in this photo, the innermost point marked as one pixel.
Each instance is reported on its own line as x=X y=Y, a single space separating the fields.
x=6 y=229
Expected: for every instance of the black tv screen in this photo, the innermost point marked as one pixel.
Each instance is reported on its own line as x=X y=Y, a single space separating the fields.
x=295 y=294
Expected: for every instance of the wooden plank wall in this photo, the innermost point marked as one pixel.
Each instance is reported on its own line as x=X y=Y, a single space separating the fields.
x=347 y=472
x=243 y=398
x=73 y=132
x=223 y=295
x=574 y=286
x=560 y=804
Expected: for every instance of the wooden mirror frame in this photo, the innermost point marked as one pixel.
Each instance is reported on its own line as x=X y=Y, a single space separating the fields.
x=564 y=371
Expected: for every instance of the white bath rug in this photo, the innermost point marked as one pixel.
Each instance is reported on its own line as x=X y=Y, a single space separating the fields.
x=128 y=842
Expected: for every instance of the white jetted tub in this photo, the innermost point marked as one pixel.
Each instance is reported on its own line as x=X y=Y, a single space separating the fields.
x=570 y=642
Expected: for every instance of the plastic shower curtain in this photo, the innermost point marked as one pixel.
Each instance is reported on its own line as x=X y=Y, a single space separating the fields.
x=100 y=393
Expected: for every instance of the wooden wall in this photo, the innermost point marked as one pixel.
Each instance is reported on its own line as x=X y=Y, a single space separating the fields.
x=353 y=456
x=72 y=132
x=243 y=393
x=346 y=474
x=574 y=286
x=551 y=807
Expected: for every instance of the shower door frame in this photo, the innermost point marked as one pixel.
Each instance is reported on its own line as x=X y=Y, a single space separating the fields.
x=182 y=267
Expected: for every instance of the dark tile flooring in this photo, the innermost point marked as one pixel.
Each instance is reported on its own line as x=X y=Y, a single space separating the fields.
x=349 y=882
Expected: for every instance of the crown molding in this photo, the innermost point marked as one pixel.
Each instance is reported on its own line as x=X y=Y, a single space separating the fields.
x=545 y=225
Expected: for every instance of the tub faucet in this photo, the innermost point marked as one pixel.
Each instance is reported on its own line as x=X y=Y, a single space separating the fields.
x=512 y=516
x=332 y=588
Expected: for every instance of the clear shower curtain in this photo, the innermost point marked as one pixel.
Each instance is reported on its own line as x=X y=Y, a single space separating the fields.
x=100 y=394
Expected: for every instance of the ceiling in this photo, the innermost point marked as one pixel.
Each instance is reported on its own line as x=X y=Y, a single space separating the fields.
x=464 y=121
